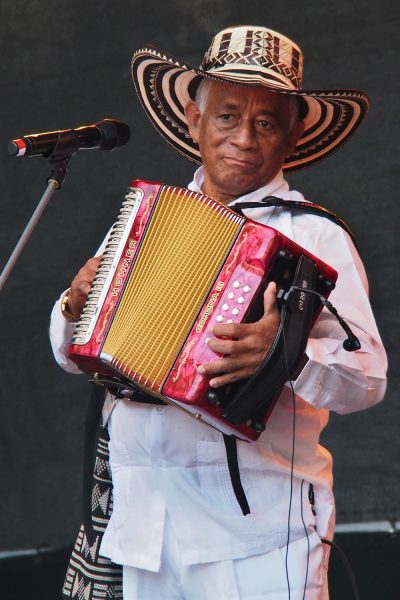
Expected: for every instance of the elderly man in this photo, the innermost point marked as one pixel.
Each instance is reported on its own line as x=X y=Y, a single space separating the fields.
x=176 y=526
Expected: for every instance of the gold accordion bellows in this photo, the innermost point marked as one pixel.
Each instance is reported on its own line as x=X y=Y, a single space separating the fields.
x=165 y=291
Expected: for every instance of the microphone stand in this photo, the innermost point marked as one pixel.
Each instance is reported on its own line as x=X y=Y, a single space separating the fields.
x=59 y=158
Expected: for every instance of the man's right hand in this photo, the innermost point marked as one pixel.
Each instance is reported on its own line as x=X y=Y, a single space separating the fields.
x=81 y=285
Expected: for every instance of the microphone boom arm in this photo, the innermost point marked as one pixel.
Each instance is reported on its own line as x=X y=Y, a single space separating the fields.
x=52 y=186
x=59 y=159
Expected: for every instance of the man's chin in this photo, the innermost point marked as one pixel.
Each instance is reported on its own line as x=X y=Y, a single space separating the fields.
x=237 y=185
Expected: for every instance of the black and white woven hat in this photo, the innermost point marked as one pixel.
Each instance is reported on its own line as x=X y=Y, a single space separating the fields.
x=246 y=56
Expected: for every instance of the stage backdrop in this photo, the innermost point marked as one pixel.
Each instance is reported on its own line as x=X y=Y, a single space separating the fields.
x=66 y=64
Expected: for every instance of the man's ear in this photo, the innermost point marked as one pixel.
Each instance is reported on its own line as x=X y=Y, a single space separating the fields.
x=293 y=137
x=193 y=116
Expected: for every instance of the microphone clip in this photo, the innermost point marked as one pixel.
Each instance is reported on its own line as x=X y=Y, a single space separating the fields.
x=351 y=343
x=64 y=149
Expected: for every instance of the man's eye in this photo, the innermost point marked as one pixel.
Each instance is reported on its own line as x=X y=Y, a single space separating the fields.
x=264 y=123
x=226 y=117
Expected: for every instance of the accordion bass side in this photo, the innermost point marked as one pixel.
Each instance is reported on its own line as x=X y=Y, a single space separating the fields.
x=176 y=263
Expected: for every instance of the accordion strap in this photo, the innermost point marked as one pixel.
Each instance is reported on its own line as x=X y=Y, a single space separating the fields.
x=306 y=207
x=234 y=473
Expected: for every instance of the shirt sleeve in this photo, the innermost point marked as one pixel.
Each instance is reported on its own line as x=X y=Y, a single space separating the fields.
x=61 y=330
x=334 y=378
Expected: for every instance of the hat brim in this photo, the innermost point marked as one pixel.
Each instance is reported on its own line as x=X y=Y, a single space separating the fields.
x=165 y=85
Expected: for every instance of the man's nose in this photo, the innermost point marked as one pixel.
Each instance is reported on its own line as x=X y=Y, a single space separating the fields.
x=244 y=136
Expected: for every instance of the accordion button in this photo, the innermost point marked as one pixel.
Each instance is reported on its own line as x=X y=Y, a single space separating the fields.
x=235 y=311
x=246 y=289
x=241 y=300
x=231 y=295
x=219 y=318
x=236 y=284
x=225 y=306
x=229 y=321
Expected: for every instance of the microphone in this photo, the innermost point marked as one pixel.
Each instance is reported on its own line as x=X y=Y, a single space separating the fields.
x=104 y=135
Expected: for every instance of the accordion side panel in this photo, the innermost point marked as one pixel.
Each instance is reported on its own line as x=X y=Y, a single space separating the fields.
x=173 y=272
x=233 y=293
x=121 y=247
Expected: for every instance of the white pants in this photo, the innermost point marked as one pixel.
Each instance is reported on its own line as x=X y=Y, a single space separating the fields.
x=262 y=577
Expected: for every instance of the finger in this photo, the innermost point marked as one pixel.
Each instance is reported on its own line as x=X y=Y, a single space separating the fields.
x=270 y=298
x=227 y=378
x=82 y=288
x=77 y=297
x=231 y=330
x=234 y=347
x=81 y=285
x=91 y=266
x=229 y=364
x=216 y=367
x=87 y=272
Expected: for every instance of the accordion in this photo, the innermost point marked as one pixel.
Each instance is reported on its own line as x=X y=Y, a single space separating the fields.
x=175 y=264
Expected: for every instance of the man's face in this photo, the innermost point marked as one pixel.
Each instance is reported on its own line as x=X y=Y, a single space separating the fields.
x=244 y=137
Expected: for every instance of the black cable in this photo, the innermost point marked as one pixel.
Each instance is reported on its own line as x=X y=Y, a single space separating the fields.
x=308 y=541
x=352 y=343
x=291 y=462
x=347 y=565
x=291 y=481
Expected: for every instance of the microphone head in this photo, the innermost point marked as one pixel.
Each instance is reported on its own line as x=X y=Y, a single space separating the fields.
x=113 y=133
x=17 y=148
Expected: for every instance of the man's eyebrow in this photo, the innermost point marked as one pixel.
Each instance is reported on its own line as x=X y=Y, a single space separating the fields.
x=229 y=106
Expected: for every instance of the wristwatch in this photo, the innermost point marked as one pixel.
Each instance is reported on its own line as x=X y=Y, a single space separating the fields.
x=67 y=314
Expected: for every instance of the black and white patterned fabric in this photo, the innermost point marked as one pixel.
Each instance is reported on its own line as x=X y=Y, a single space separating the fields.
x=90 y=576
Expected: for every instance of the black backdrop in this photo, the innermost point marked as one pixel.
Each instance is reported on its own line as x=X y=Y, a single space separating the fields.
x=67 y=63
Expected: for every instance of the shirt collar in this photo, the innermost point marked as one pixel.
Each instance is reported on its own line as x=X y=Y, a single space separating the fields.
x=276 y=187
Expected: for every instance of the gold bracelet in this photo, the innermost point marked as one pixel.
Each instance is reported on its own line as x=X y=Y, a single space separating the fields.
x=67 y=314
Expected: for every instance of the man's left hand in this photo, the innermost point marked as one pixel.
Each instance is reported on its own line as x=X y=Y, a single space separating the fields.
x=246 y=347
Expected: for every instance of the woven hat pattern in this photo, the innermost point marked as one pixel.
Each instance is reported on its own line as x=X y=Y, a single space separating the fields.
x=268 y=51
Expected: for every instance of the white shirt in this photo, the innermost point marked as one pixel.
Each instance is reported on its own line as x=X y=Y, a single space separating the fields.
x=163 y=460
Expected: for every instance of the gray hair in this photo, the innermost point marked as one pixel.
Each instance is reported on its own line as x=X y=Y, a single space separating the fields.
x=204 y=88
x=202 y=94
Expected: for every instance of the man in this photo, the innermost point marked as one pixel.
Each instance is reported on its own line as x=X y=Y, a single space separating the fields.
x=176 y=526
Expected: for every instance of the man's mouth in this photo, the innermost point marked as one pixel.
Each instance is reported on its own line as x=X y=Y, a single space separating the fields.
x=240 y=162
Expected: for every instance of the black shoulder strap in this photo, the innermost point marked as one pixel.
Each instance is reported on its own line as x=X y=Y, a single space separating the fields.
x=234 y=473
x=307 y=207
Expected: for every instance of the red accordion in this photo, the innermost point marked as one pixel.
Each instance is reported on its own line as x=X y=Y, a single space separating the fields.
x=175 y=264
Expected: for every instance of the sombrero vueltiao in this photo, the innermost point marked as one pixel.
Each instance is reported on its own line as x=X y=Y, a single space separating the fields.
x=246 y=56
